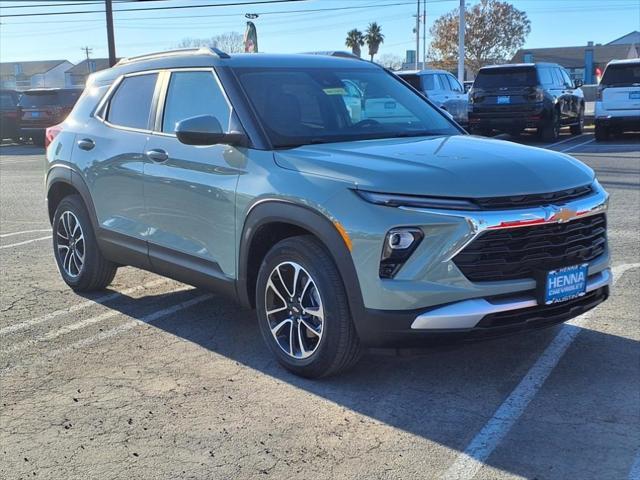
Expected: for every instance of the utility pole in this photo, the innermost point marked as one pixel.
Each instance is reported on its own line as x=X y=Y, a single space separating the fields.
x=424 y=34
x=110 y=39
x=418 y=36
x=87 y=51
x=461 y=28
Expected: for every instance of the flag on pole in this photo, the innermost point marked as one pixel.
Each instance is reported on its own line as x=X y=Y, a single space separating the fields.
x=251 y=38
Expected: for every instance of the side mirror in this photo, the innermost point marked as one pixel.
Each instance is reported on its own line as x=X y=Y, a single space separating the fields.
x=449 y=116
x=206 y=130
x=578 y=83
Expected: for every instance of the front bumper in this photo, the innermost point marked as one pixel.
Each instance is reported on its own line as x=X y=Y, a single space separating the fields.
x=627 y=122
x=480 y=318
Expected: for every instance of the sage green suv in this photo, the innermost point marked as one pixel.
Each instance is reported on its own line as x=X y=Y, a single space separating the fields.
x=328 y=195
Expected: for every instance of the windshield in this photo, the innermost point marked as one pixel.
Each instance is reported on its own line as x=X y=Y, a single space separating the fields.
x=621 y=75
x=306 y=106
x=506 y=77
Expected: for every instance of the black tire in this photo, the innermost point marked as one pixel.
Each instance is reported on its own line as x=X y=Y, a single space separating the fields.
x=602 y=133
x=578 y=128
x=550 y=132
x=95 y=272
x=338 y=348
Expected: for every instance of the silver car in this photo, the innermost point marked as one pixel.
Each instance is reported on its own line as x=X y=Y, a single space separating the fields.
x=441 y=88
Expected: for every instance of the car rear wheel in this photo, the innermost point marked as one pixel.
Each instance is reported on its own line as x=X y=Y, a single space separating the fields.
x=303 y=311
x=79 y=260
x=602 y=133
x=578 y=128
x=550 y=131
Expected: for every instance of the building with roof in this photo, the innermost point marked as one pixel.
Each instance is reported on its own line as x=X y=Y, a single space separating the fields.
x=582 y=62
x=36 y=74
x=76 y=76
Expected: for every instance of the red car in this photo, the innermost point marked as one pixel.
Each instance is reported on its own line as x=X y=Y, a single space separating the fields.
x=9 y=114
x=42 y=108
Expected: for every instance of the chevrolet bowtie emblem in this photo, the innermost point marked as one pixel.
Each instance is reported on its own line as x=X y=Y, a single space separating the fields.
x=562 y=214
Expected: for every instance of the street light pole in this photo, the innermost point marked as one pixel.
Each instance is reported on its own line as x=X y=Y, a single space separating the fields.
x=110 y=38
x=461 y=28
x=424 y=34
x=418 y=36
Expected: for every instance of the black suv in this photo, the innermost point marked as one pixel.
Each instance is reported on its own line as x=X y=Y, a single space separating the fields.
x=42 y=108
x=510 y=98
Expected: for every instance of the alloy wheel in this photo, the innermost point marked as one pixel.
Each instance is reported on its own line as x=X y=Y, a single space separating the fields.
x=70 y=244
x=294 y=309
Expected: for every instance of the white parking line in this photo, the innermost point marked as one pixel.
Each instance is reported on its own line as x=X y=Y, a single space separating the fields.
x=148 y=319
x=563 y=141
x=471 y=460
x=24 y=232
x=53 y=334
x=75 y=308
x=25 y=242
x=578 y=145
x=634 y=473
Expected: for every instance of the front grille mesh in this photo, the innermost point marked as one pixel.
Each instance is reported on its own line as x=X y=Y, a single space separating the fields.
x=517 y=253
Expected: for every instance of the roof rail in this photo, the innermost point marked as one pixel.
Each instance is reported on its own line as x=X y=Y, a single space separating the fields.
x=335 y=53
x=173 y=53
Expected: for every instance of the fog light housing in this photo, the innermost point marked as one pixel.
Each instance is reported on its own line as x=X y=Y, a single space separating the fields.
x=399 y=244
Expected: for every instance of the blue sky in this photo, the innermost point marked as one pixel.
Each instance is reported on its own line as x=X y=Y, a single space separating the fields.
x=554 y=23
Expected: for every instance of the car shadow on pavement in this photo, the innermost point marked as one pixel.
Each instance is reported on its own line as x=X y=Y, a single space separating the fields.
x=446 y=394
x=17 y=150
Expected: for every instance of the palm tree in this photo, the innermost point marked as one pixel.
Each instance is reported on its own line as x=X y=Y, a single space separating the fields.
x=374 y=38
x=355 y=40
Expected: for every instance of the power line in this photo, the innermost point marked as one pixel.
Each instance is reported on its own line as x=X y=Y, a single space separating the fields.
x=146 y=9
x=280 y=12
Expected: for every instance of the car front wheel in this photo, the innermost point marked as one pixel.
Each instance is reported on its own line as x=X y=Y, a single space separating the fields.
x=303 y=310
x=79 y=260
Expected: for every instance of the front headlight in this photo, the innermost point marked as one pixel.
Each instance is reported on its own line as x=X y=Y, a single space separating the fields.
x=399 y=200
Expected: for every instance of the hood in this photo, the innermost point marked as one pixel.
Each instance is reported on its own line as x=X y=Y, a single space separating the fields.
x=447 y=166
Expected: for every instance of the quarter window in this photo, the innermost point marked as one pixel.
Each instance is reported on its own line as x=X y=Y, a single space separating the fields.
x=191 y=94
x=131 y=104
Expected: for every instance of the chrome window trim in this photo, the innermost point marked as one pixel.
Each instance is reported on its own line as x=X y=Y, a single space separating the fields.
x=99 y=111
x=483 y=221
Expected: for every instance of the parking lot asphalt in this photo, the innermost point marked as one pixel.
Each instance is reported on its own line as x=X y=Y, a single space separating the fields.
x=155 y=379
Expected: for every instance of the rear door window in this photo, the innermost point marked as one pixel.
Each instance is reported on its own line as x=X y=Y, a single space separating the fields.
x=566 y=80
x=546 y=77
x=130 y=106
x=429 y=82
x=506 y=77
x=191 y=94
x=621 y=75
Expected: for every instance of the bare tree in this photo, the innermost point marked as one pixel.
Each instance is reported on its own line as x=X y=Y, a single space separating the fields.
x=230 y=42
x=495 y=30
x=390 y=61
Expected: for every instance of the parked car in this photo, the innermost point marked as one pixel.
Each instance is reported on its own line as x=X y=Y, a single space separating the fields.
x=8 y=114
x=441 y=88
x=510 y=98
x=42 y=108
x=618 y=99
x=247 y=174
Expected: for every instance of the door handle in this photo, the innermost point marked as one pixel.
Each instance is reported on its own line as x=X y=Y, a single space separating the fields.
x=86 y=144
x=157 y=155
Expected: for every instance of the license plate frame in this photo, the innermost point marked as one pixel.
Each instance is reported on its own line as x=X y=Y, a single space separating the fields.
x=503 y=100
x=563 y=284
